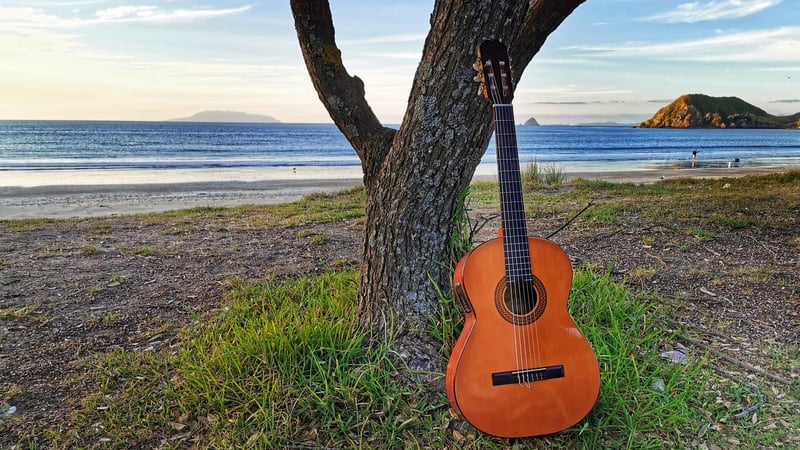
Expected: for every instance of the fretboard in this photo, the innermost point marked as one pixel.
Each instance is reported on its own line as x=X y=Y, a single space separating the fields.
x=515 y=234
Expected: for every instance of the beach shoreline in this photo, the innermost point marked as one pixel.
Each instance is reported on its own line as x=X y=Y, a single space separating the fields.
x=93 y=200
x=68 y=201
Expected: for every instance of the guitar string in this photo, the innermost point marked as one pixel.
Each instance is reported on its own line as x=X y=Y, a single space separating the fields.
x=519 y=259
x=508 y=244
x=514 y=252
x=528 y=343
x=505 y=215
x=510 y=232
x=530 y=333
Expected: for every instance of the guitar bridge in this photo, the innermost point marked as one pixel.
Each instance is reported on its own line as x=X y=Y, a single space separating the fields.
x=527 y=375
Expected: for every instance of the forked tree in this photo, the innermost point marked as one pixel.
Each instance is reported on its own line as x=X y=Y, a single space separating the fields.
x=415 y=174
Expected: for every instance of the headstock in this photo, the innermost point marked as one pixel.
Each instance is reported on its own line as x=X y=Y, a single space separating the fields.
x=494 y=72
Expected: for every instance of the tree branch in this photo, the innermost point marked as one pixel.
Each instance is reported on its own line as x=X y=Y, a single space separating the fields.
x=342 y=94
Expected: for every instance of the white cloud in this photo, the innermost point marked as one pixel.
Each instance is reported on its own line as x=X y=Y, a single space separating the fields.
x=713 y=10
x=763 y=46
x=18 y=17
x=780 y=69
x=36 y=18
x=125 y=12
x=153 y=15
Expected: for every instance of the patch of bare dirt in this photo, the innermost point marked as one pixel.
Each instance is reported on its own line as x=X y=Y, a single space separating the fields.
x=72 y=289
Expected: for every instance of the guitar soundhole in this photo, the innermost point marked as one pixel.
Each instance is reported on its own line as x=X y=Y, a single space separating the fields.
x=520 y=302
x=520 y=297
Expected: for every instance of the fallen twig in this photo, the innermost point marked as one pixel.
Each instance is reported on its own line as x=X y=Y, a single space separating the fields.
x=730 y=359
x=591 y=203
x=657 y=259
x=754 y=407
x=774 y=255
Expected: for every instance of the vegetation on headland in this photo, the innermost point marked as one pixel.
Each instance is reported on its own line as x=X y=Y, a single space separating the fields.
x=281 y=364
x=703 y=111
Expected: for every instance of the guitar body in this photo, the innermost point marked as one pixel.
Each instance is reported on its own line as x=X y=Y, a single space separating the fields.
x=507 y=408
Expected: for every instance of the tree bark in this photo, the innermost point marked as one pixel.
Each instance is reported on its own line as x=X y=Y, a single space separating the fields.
x=413 y=176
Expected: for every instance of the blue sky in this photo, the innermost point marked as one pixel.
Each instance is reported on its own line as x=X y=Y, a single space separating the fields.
x=611 y=60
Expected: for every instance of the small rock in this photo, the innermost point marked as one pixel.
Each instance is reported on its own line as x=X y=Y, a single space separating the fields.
x=675 y=356
x=658 y=385
x=8 y=411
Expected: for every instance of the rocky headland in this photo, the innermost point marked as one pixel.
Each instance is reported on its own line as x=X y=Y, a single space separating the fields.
x=703 y=111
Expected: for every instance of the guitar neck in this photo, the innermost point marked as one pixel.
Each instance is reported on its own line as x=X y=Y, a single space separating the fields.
x=512 y=207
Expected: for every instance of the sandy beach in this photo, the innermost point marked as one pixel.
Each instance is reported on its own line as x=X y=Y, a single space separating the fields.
x=108 y=199
x=63 y=201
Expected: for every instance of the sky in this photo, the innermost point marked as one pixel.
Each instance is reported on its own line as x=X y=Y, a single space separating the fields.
x=611 y=60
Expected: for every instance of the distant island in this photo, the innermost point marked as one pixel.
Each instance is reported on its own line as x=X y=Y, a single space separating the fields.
x=227 y=116
x=703 y=111
x=531 y=122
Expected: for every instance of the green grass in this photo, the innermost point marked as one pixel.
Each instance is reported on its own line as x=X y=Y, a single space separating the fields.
x=313 y=208
x=747 y=203
x=33 y=314
x=700 y=234
x=538 y=175
x=146 y=250
x=750 y=202
x=314 y=238
x=284 y=365
x=625 y=333
x=26 y=224
x=117 y=280
x=107 y=320
x=754 y=274
x=90 y=250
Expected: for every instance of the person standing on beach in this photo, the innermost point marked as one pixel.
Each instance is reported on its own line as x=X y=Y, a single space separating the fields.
x=694 y=157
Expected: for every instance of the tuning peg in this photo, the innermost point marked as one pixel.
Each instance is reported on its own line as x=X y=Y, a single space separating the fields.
x=477 y=65
x=478 y=78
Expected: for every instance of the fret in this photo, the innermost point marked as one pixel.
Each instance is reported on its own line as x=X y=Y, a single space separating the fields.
x=516 y=252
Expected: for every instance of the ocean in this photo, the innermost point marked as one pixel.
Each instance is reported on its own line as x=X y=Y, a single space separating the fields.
x=87 y=152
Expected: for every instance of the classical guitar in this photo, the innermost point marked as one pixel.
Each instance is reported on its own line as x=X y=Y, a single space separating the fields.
x=520 y=367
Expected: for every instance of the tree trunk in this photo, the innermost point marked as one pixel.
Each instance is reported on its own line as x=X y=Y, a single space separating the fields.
x=413 y=176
